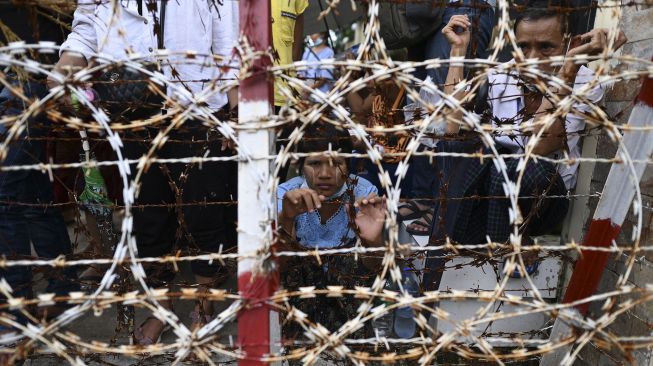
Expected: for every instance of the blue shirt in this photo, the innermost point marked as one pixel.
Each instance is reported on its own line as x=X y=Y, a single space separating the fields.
x=314 y=73
x=308 y=226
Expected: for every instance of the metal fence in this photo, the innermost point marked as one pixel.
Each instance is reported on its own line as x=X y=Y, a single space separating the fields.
x=332 y=320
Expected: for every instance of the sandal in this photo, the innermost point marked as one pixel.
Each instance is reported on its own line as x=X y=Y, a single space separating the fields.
x=415 y=211
x=142 y=340
x=199 y=321
x=425 y=221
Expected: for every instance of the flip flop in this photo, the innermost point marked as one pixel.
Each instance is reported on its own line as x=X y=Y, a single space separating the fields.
x=415 y=211
x=143 y=340
x=425 y=221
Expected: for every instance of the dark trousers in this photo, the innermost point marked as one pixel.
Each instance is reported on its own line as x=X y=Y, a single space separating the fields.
x=424 y=177
x=184 y=206
x=468 y=220
x=424 y=181
x=25 y=217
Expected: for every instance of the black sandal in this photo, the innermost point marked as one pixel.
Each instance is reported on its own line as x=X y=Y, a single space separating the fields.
x=425 y=221
x=415 y=211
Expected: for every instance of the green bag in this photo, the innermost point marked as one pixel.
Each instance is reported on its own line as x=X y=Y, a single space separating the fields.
x=406 y=23
x=95 y=196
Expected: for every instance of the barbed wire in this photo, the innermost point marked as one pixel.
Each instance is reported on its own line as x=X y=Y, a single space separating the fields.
x=307 y=336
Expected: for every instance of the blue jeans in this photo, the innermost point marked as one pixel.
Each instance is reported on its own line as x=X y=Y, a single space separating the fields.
x=25 y=217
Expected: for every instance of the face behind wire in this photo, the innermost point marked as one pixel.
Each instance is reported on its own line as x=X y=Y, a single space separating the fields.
x=324 y=174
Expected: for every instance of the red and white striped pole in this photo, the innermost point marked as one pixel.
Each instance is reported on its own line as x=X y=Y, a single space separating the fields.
x=617 y=196
x=254 y=200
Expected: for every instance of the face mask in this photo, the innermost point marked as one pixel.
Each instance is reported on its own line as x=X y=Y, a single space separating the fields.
x=317 y=42
x=332 y=197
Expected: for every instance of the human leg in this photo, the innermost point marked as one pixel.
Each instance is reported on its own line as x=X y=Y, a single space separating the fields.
x=210 y=227
x=458 y=179
x=49 y=236
x=15 y=245
x=541 y=212
x=424 y=187
x=155 y=229
x=26 y=196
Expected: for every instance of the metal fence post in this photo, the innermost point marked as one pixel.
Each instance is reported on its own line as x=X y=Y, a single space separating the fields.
x=255 y=204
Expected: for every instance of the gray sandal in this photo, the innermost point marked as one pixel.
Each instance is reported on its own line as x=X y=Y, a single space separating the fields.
x=142 y=340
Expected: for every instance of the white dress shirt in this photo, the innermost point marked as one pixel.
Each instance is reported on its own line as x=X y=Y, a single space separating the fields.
x=201 y=26
x=506 y=99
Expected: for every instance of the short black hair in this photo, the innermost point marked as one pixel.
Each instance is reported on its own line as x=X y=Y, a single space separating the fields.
x=319 y=137
x=535 y=12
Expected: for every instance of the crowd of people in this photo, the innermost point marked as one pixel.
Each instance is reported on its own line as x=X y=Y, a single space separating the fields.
x=327 y=201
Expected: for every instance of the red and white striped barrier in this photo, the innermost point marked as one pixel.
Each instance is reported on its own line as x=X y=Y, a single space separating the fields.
x=253 y=179
x=620 y=188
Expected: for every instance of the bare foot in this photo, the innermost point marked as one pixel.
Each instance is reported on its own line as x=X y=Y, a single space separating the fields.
x=411 y=209
x=201 y=315
x=421 y=226
x=149 y=332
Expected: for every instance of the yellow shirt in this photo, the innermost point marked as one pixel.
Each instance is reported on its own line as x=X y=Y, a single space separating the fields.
x=284 y=14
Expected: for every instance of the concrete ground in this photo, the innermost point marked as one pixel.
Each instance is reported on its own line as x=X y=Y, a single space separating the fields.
x=102 y=327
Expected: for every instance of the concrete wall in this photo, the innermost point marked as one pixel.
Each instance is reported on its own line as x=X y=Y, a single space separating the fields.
x=637 y=22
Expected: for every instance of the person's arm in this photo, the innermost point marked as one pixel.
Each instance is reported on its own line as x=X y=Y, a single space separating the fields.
x=553 y=138
x=360 y=107
x=596 y=42
x=298 y=38
x=225 y=36
x=294 y=203
x=370 y=220
x=81 y=44
x=459 y=43
x=68 y=64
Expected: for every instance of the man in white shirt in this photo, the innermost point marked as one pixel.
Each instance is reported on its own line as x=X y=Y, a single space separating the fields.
x=515 y=102
x=203 y=28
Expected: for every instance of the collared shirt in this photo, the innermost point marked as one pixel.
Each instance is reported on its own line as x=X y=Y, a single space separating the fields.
x=313 y=74
x=506 y=99
x=204 y=27
x=310 y=230
x=284 y=15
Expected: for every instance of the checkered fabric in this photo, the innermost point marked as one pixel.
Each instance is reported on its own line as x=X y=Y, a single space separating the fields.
x=481 y=216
